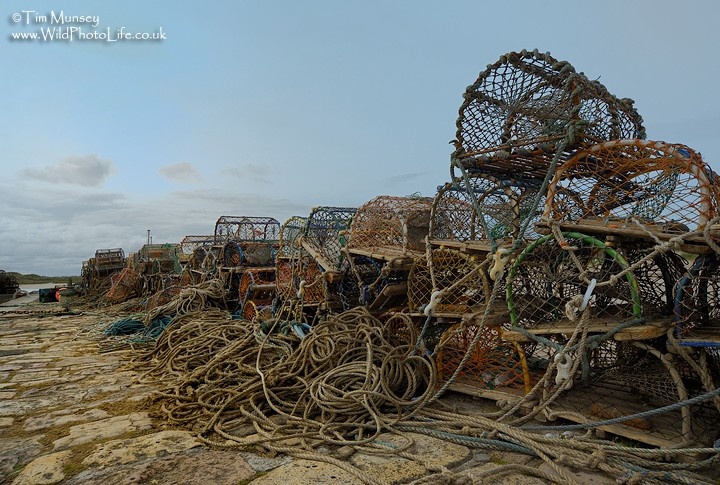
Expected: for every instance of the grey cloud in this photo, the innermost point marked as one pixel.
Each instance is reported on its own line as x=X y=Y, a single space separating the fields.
x=250 y=171
x=181 y=172
x=86 y=171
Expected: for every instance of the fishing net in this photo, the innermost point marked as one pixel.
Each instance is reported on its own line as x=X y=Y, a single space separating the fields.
x=288 y=252
x=124 y=286
x=190 y=243
x=526 y=106
x=697 y=299
x=385 y=234
x=635 y=188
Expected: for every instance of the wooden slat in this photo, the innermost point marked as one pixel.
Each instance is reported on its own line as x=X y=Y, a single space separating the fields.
x=648 y=330
x=387 y=294
x=325 y=263
x=466 y=246
x=389 y=254
x=694 y=244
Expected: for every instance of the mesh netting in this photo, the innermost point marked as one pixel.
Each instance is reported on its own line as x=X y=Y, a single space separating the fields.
x=697 y=298
x=290 y=232
x=493 y=363
x=109 y=260
x=666 y=188
x=519 y=110
x=546 y=276
x=387 y=221
x=449 y=267
x=124 y=285
x=325 y=234
x=191 y=243
x=487 y=209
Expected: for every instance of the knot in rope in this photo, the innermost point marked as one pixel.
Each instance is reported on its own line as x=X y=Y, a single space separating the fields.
x=572 y=307
x=596 y=458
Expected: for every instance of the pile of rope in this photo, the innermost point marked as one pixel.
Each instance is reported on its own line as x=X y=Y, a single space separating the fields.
x=315 y=394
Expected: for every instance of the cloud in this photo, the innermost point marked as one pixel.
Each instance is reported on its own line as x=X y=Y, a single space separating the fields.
x=250 y=171
x=87 y=171
x=51 y=231
x=183 y=172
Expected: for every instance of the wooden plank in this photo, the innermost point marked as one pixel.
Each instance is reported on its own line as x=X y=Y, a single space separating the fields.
x=694 y=244
x=388 y=294
x=389 y=254
x=701 y=338
x=648 y=330
x=466 y=246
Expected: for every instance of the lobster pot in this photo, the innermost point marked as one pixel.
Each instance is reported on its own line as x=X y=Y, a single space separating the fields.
x=465 y=284
x=124 y=286
x=162 y=297
x=189 y=244
x=257 y=285
x=633 y=188
x=290 y=232
x=549 y=273
x=246 y=229
x=478 y=357
x=484 y=209
x=108 y=261
x=391 y=222
x=526 y=107
x=291 y=272
x=325 y=234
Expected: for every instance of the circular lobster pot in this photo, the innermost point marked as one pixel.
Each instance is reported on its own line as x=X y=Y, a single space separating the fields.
x=647 y=186
x=486 y=209
x=527 y=107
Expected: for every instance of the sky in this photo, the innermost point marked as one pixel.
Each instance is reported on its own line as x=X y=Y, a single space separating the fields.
x=269 y=108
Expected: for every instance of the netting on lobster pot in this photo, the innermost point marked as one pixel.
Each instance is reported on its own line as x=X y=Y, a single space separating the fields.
x=288 y=252
x=528 y=107
x=294 y=265
x=549 y=273
x=487 y=210
x=385 y=234
x=325 y=234
x=461 y=278
x=256 y=236
x=190 y=243
x=391 y=222
x=636 y=377
x=697 y=323
x=492 y=363
x=625 y=185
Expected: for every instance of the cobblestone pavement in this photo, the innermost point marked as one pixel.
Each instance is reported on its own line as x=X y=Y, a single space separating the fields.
x=72 y=414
